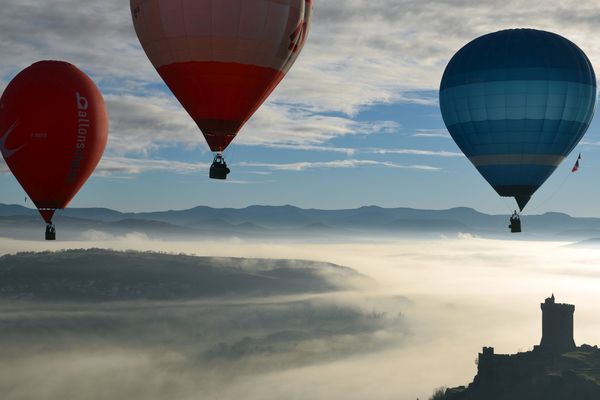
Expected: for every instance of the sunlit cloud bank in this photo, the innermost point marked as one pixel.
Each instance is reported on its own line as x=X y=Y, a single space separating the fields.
x=435 y=305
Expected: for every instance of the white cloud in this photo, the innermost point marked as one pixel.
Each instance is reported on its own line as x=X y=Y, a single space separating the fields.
x=353 y=151
x=369 y=52
x=119 y=166
x=276 y=124
x=308 y=147
x=432 y=133
x=124 y=165
x=416 y=152
x=97 y=37
x=590 y=143
x=142 y=125
x=302 y=166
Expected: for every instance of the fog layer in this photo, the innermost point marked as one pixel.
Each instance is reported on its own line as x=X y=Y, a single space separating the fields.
x=436 y=304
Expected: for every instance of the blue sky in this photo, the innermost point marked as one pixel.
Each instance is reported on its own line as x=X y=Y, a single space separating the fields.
x=356 y=122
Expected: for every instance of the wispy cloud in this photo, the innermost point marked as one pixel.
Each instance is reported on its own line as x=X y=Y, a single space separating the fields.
x=353 y=151
x=591 y=143
x=307 y=147
x=124 y=165
x=432 y=133
x=302 y=166
x=417 y=152
x=282 y=124
x=119 y=165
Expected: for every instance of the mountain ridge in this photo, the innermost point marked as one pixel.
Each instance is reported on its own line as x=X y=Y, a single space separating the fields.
x=285 y=221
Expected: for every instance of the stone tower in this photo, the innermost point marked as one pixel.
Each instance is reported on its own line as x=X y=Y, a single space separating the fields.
x=557 y=327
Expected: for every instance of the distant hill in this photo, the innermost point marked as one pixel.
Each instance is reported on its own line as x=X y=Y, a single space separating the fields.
x=288 y=221
x=103 y=275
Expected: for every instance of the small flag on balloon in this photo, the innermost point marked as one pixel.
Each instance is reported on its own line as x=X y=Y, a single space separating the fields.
x=576 y=166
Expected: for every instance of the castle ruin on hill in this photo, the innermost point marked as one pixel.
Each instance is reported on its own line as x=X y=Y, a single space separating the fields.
x=556 y=369
x=557 y=327
x=557 y=336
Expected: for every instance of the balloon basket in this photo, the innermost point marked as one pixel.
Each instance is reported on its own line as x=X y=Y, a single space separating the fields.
x=515 y=225
x=50 y=232
x=218 y=169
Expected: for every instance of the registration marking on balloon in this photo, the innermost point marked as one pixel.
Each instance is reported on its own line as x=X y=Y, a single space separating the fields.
x=39 y=135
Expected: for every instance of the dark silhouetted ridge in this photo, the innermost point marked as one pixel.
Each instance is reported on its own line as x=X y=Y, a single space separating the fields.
x=103 y=275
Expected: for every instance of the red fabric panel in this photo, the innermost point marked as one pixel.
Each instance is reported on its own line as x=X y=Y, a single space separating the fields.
x=47 y=214
x=219 y=96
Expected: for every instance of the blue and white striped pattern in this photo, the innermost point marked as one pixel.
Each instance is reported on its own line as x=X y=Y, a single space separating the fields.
x=517 y=102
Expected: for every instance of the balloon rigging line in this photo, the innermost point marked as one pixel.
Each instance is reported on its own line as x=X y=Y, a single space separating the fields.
x=553 y=194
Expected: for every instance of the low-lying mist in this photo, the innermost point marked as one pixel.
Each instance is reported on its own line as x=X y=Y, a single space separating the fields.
x=435 y=304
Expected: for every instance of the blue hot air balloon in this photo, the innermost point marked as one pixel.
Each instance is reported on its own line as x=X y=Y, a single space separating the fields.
x=517 y=102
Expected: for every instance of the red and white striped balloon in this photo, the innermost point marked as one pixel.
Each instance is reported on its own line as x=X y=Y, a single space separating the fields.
x=222 y=58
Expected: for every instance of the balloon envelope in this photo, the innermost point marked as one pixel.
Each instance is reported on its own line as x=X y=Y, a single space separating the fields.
x=222 y=58
x=517 y=102
x=54 y=128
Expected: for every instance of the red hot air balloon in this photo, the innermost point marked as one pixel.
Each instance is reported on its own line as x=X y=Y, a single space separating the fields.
x=53 y=131
x=222 y=58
